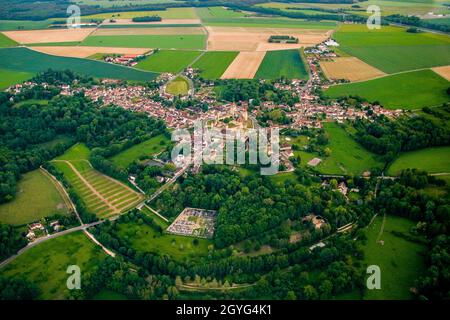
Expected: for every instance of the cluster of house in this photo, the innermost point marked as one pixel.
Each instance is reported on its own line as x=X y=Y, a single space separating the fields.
x=37 y=230
x=126 y=60
x=194 y=222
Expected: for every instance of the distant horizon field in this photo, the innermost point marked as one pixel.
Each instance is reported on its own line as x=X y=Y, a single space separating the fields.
x=170 y=13
x=148 y=41
x=23 y=59
x=270 y=23
x=214 y=63
x=46 y=265
x=392 y=49
x=37 y=197
x=411 y=90
x=286 y=63
x=432 y=160
x=172 y=61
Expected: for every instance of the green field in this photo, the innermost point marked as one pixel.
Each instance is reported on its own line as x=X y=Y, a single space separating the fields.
x=347 y=156
x=55 y=44
x=170 y=13
x=10 y=25
x=432 y=160
x=36 y=198
x=190 y=41
x=178 y=86
x=411 y=90
x=11 y=77
x=147 y=148
x=392 y=49
x=269 y=23
x=46 y=264
x=214 y=63
x=109 y=197
x=119 y=3
x=399 y=258
x=23 y=59
x=172 y=61
x=144 y=238
x=6 y=42
x=218 y=12
x=283 y=63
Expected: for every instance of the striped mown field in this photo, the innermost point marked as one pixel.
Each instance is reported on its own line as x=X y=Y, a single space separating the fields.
x=101 y=194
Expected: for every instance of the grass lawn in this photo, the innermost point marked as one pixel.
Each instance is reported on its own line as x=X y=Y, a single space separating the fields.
x=347 y=156
x=411 y=90
x=36 y=197
x=146 y=148
x=6 y=42
x=144 y=238
x=179 y=86
x=214 y=63
x=432 y=160
x=77 y=152
x=190 y=41
x=45 y=265
x=23 y=59
x=286 y=63
x=392 y=49
x=172 y=61
x=11 y=77
x=399 y=258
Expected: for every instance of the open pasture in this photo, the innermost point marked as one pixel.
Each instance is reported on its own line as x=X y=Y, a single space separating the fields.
x=432 y=160
x=349 y=68
x=213 y=64
x=37 y=197
x=148 y=148
x=46 y=264
x=23 y=59
x=208 y=13
x=10 y=25
x=11 y=77
x=84 y=52
x=244 y=66
x=283 y=63
x=172 y=61
x=188 y=41
x=178 y=86
x=392 y=49
x=411 y=90
x=257 y=39
x=269 y=23
x=398 y=253
x=119 y=3
x=50 y=35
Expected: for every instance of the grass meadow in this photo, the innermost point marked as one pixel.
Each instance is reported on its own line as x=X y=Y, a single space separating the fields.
x=432 y=160
x=11 y=77
x=144 y=238
x=392 y=49
x=214 y=63
x=37 y=197
x=46 y=264
x=24 y=60
x=12 y=25
x=178 y=86
x=399 y=257
x=282 y=63
x=411 y=90
x=190 y=41
x=172 y=61
x=147 y=148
